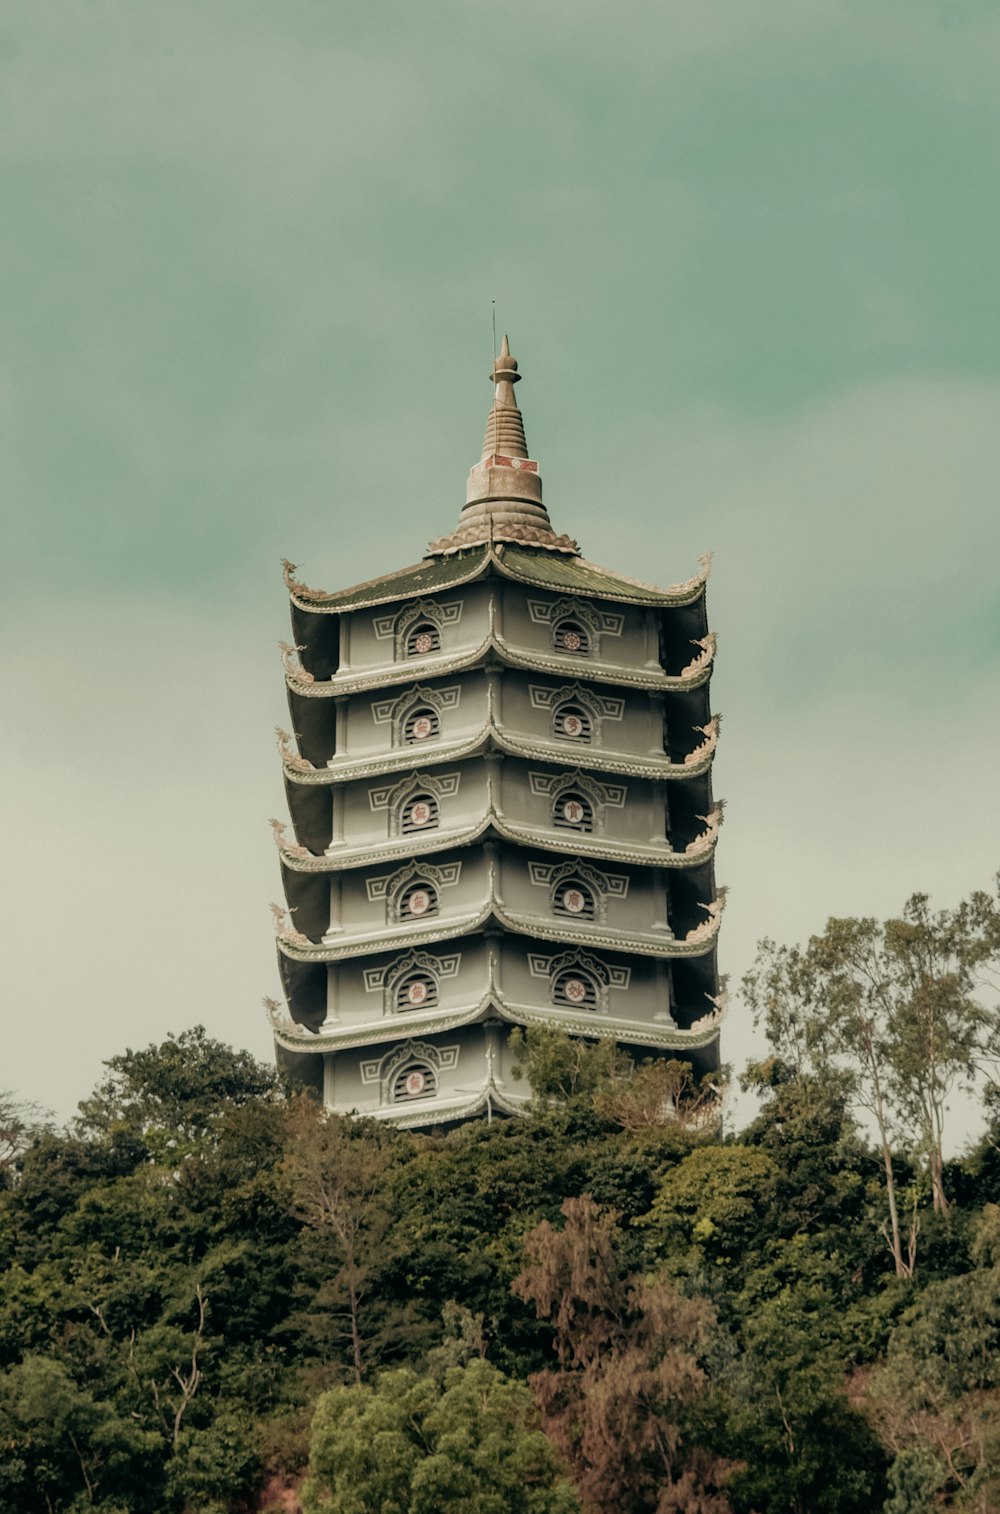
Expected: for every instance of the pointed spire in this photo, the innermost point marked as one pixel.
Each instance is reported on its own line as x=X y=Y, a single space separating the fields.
x=503 y=498
x=504 y=428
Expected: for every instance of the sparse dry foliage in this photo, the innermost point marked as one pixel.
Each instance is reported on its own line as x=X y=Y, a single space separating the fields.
x=629 y=1373
x=662 y=1092
x=336 y=1170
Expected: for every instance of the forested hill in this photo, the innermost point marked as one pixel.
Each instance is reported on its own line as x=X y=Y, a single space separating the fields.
x=210 y=1289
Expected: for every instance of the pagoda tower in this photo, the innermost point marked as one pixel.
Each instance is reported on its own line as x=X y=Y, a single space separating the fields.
x=500 y=789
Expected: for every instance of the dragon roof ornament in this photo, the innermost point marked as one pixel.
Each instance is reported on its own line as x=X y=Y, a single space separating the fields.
x=709 y=836
x=291 y=759
x=285 y=930
x=704 y=658
x=292 y=584
x=703 y=752
x=292 y=663
x=287 y=848
x=709 y=928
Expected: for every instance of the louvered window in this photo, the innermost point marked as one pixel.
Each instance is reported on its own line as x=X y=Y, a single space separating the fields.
x=573 y=899
x=574 y=989
x=571 y=723
x=421 y=723
x=422 y=639
x=570 y=636
x=420 y=813
x=416 y=1081
x=418 y=900
x=417 y=990
x=573 y=812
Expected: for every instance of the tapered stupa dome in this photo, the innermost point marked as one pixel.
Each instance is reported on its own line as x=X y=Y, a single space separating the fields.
x=503 y=496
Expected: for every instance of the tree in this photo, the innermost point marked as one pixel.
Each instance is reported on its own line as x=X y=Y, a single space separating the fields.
x=64 y=1445
x=840 y=1025
x=20 y=1123
x=619 y=1405
x=412 y=1445
x=936 y=1401
x=891 y=1011
x=659 y=1092
x=561 y=1068
x=337 y=1170
x=713 y=1203
x=943 y=1036
x=178 y=1087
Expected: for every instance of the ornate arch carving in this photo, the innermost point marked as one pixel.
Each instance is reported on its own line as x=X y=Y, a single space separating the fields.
x=596 y=621
x=399 y=626
x=395 y=712
x=385 y=1069
x=393 y=887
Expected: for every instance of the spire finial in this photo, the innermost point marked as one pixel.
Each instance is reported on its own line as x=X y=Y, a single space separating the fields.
x=503 y=497
x=505 y=366
x=504 y=428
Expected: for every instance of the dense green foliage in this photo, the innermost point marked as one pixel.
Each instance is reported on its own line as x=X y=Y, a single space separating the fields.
x=469 y=1445
x=209 y=1288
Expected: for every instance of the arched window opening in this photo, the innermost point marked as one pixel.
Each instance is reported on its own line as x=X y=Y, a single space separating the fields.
x=570 y=636
x=572 y=723
x=423 y=638
x=421 y=724
x=415 y=1081
x=420 y=813
x=574 y=900
x=573 y=811
x=416 y=990
x=574 y=988
x=418 y=900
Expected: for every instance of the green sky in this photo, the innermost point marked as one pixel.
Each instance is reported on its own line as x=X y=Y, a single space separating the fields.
x=747 y=255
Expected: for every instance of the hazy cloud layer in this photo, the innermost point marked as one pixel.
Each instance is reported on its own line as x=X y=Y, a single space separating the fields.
x=747 y=258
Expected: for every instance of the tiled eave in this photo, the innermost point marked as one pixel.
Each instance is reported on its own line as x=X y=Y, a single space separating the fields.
x=496 y=649
x=567 y=843
x=575 y=575
x=431 y=576
x=386 y=1029
x=445 y=1111
x=542 y=570
x=341 y=947
x=492 y=737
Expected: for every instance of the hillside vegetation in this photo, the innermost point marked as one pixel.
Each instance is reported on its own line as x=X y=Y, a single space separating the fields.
x=213 y=1293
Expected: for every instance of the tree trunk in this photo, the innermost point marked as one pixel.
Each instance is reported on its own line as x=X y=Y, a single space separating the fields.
x=355 y=1334
x=941 y=1204
x=895 y=1243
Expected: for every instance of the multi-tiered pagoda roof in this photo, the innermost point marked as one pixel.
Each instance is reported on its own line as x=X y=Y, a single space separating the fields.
x=500 y=791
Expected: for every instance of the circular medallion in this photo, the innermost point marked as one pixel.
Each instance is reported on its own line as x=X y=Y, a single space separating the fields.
x=423 y=642
x=416 y=992
x=419 y=902
x=422 y=727
x=572 y=641
x=575 y=990
x=572 y=725
x=415 y=1083
x=573 y=811
x=420 y=812
x=574 y=901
